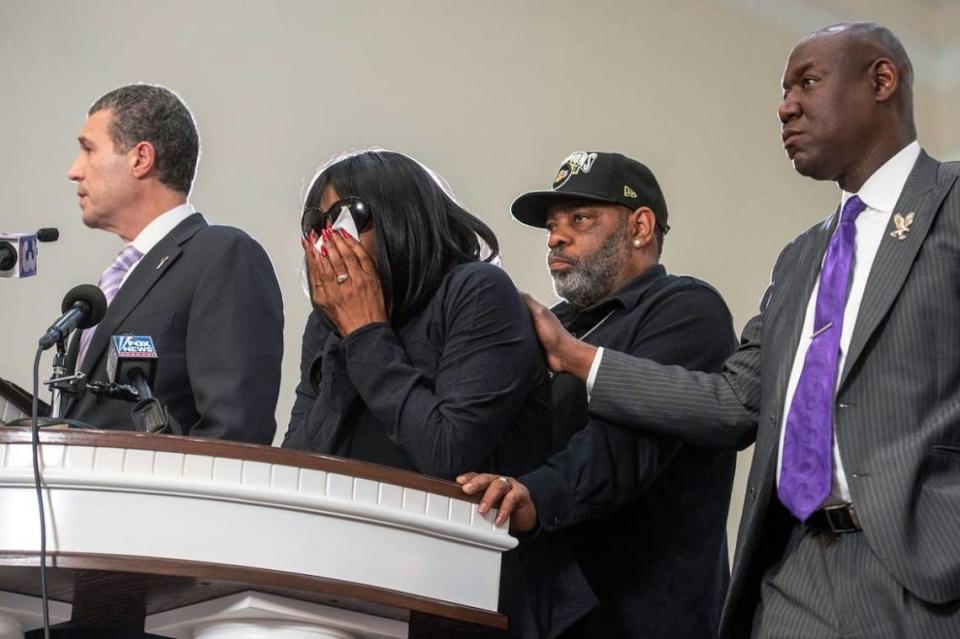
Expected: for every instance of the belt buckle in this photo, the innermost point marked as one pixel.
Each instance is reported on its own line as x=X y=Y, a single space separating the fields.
x=836 y=523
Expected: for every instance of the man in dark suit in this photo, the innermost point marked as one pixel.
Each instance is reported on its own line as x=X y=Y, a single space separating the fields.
x=207 y=295
x=644 y=516
x=848 y=380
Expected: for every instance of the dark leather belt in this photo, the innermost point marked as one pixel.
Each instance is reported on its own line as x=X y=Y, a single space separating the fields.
x=835 y=519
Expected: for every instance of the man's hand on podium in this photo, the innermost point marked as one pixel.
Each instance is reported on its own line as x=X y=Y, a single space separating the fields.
x=506 y=493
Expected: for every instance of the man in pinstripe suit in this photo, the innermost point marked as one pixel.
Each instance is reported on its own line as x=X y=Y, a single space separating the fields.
x=848 y=379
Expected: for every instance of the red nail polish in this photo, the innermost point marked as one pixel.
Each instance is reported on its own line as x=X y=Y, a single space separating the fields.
x=323 y=251
x=344 y=233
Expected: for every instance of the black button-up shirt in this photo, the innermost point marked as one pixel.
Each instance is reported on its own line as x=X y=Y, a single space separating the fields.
x=644 y=515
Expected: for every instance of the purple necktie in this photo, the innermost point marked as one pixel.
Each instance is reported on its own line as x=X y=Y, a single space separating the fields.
x=110 y=283
x=806 y=470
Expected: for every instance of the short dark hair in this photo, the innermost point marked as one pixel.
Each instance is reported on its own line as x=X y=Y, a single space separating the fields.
x=155 y=114
x=422 y=231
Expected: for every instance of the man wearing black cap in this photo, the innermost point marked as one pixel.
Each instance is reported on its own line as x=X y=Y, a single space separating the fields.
x=644 y=516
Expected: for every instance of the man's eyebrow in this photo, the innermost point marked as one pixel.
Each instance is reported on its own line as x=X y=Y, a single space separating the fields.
x=796 y=73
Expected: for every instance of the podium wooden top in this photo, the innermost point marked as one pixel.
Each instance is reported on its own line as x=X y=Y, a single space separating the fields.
x=175 y=520
x=236 y=450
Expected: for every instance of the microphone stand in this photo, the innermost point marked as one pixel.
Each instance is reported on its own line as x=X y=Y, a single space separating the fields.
x=62 y=382
x=59 y=372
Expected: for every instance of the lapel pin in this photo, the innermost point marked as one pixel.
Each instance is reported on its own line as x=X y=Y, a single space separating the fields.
x=167 y=257
x=902 y=224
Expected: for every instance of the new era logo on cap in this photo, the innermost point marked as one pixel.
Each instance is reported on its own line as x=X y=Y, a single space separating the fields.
x=596 y=176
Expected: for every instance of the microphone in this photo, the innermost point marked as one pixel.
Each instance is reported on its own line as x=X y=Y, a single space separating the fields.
x=49 y=234
x=18 y=255
x=84 y=306
x=18 y=252
x=133 y=360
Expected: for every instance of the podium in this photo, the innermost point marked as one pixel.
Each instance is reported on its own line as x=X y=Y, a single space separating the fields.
x=195 y=538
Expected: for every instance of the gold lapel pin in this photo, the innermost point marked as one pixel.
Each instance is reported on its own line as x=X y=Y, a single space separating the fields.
x=902 y=225
x=162 y=262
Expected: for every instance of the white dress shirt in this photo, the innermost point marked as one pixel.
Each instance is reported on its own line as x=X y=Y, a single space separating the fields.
x=880 y=193
x=156 y=230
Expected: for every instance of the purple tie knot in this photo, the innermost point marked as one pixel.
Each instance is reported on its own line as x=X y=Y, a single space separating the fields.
x=853 y=208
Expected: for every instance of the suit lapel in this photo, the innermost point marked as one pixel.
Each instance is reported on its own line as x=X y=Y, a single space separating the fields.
x=154 y=265
x=787 y=323
x=922 y=196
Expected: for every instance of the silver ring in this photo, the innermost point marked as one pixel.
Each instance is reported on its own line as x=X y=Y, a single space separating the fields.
x=505 y=480
x=342 y=278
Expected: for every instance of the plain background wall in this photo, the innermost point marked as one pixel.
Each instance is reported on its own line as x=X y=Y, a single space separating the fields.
x=491 y=95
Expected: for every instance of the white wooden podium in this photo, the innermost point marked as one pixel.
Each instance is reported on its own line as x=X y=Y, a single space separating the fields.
x=208 y=539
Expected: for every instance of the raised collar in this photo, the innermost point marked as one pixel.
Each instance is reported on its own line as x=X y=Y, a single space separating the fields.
x=882 y=189
x=628 y=296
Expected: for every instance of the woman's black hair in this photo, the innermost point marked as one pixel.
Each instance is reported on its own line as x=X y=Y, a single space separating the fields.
x=422 y=232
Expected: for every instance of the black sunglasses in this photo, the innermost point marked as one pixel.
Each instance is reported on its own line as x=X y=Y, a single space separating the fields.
x=315 y=219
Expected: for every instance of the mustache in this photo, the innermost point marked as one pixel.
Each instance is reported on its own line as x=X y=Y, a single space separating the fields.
x=555 y=254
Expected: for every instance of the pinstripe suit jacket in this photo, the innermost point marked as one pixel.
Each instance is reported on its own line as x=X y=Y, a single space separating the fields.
x=896 y=411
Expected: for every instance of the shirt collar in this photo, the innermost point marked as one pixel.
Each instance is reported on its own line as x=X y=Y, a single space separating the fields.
x=882 y=189
x=161 y=225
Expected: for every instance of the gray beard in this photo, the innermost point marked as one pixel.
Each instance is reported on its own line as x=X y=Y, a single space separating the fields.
x=591 y=278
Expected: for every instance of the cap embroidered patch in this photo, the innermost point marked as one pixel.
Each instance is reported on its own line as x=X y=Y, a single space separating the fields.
x=575 y=162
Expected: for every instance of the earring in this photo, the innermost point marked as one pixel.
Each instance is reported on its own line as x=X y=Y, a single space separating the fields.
x=637 y=243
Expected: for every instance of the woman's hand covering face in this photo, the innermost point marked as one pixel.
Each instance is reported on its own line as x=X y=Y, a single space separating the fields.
x=344 y=282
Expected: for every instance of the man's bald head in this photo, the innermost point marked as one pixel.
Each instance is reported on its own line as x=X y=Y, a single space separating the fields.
x=867 y=42
x=847 y=102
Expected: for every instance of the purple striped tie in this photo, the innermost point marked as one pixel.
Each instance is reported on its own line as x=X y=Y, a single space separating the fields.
x=806 y=471
x=110 y=283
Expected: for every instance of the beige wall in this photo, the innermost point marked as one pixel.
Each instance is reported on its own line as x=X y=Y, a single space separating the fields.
x=492 y=95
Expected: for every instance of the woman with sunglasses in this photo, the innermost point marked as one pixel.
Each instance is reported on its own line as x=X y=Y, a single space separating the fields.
x=420 y=353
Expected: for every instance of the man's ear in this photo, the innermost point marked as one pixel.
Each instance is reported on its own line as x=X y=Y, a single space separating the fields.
x=885 y=78
x=640 y=225
x=142 y=159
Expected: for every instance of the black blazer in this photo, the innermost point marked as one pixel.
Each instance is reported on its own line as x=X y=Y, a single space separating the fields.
x=209 y=298
x=896 y=410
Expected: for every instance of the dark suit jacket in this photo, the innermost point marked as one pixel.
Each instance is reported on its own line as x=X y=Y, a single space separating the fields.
x=645 y=515
x=896 y=412
x=209 y=298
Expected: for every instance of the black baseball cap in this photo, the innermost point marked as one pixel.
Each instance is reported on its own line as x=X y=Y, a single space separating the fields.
x=598 y=177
